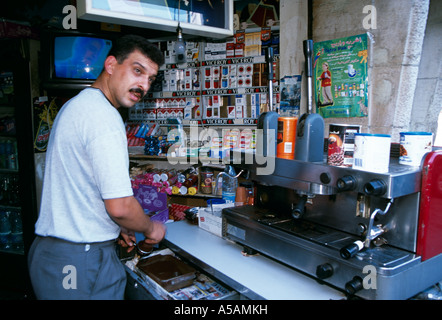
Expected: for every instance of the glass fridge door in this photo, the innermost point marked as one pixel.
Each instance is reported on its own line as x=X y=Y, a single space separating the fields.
x=11 y=228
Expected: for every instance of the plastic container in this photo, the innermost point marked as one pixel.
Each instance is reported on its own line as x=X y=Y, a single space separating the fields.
x=212 y=202
x=215 y=206
x=372 y=152
x=169 y=272
x=413 y=147
x=241 y=196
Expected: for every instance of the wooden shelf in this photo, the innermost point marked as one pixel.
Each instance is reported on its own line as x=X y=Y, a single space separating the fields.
x=196 y=195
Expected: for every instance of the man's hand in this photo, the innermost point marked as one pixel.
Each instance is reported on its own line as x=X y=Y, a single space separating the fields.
x=127 y=239
x=156 y=234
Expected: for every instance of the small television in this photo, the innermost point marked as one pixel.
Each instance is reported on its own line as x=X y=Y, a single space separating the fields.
x=72 y=60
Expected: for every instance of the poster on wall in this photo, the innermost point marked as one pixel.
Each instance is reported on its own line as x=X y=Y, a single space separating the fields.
x=340 y=71
x=290 y=93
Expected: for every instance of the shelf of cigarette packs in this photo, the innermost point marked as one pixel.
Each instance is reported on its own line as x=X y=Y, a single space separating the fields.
x=176 y=94
x=235 y=90
x=230 y=91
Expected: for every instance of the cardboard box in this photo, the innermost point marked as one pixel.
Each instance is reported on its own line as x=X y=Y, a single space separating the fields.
x=211 y=220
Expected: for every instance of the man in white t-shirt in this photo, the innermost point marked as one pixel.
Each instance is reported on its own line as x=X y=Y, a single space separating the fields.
x=87 y=199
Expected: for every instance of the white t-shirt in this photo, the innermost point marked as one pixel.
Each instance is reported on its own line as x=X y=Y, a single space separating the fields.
x=86 y=161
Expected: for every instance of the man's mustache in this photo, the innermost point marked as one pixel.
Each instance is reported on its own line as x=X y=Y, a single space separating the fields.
x=138 y=90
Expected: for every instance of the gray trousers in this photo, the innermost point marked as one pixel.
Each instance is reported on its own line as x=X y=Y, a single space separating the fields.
x=65 y=270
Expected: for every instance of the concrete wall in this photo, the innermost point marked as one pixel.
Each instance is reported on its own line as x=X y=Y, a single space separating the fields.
x=428 y=97
x=398 y=80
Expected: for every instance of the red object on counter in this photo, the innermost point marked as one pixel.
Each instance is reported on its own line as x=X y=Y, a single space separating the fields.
x=176 y=211
x=429 y=237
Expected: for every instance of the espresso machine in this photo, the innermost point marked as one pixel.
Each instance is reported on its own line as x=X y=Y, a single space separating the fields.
x=372 y=235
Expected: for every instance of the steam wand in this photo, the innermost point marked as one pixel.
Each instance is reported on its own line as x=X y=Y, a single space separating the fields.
x=372 y=233
x=375 y=231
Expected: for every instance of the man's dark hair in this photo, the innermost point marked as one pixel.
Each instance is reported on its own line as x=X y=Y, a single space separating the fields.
x=127 y=44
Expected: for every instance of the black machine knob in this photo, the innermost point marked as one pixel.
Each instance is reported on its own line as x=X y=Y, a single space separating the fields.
x=346 y=183
x=325 y=177
x=375 y=187
x=324 y=271
x=354 y=285
x=350 y=251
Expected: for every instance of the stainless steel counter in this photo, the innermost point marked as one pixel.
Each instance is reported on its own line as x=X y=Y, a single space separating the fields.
x=254 y=277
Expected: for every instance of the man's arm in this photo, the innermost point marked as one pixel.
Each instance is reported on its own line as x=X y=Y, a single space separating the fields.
x=128 y=213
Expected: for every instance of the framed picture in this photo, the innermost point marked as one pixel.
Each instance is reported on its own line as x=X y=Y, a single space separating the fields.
x=207 y=18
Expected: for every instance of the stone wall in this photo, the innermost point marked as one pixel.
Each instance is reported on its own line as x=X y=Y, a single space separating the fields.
x=396 y=75
x=428 y=97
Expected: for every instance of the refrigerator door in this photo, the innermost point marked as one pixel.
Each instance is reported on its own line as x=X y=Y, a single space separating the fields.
x=18 y=209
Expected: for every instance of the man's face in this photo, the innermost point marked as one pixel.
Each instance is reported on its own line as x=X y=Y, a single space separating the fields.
x=131 y=80
x=92 y=51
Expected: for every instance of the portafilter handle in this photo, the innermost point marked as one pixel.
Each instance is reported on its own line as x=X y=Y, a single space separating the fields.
x=299 y=209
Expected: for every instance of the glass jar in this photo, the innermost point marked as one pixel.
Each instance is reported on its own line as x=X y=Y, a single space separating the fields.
x=206 y=175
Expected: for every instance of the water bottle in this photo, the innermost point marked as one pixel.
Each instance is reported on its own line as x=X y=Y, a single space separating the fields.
x=230 y=183
x=5 y=231
x=16 y=231
x=9 y=149
x=2 y=154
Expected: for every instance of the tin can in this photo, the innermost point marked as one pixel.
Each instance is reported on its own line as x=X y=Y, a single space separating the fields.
x=413 y=146
x=341 y=144
x=286 y=136
x=372 y=152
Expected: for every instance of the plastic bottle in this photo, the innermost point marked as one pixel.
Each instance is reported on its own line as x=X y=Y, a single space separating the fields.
x=2 y=154
x=9 y=149
x=230 y=183
x=16 y=230
x=5 y=231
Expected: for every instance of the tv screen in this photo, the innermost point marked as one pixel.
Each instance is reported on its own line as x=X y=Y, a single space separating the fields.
x=79 y=57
